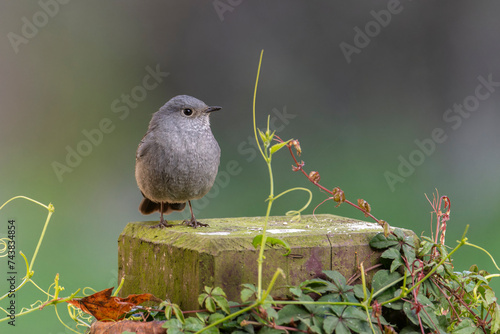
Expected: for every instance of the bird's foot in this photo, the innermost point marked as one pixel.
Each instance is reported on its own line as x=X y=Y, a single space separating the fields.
x=194 y=223
x=163 y=223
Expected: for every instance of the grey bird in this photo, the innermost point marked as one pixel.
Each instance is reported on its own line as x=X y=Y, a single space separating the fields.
x=177 y=159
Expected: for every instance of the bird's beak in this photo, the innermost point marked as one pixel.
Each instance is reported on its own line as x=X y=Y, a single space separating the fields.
x=210 y=109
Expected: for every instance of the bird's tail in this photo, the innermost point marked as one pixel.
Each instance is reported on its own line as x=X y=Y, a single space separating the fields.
x=148 y=207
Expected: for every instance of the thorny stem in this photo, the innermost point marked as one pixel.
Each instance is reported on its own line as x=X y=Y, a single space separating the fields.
x=299 y=167
x=405 y=292
x=446 y=297
x=465 y=305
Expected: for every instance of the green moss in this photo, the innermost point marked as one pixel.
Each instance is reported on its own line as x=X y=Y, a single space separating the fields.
x=177 y=262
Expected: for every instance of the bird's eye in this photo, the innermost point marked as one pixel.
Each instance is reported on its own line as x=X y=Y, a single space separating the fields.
x=187 y=112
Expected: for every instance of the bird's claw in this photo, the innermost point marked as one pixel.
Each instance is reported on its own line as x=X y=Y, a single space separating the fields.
x=162 y=224
x=194 y=223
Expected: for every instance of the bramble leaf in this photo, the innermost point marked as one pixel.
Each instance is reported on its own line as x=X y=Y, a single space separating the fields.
x=380 y=241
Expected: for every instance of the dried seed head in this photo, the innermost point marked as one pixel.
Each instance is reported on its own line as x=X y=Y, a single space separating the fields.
x=364 y=206
x=314 y=176
x=295 y=143
x=338 y=195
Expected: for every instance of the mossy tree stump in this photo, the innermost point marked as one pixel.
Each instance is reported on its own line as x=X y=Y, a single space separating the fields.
x=178 y=262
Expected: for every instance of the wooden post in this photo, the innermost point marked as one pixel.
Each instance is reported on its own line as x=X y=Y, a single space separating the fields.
x=178 y=262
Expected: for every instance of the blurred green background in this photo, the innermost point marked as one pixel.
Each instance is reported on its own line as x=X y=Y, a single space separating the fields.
x=356 y=101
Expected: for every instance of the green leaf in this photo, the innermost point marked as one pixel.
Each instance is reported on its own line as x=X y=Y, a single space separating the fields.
x=172 y=308
x=410 y=314
x=391 y=253
x=399 y=233
x=178 y=313
x=425 y=248
x=168 y=311
x=315 y=283
x=201 y=298
x=268 y=330
x=397 y=305
x=335 y=276
x=257 y=241
x=194 y=324
x=466 y=326
x=307 y=299
x=331 y=298
x=173 y=326
x=396 y=263
x=291 y=312
x=223 y=303
x=218 y=292
x=429 y=316
x=356 y=320
x=277 y=147
x=210 y=305
x=346 y=319
x=409 y=330
x=249 y=286
x=358 y=291
x=332 y=324
x=409 y=250
x=296 y=291
x=272 y=313
x=432 y=290
x=495 y=319
x=382 y=278
x=246 y=294
x=489 y=296
x=262 y=135
x=215 y=317
x=380 y=241
x=339 y=288
x=203 y=316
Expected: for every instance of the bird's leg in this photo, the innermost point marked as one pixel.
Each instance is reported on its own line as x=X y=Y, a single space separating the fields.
x=163 y=222
x=193 y=222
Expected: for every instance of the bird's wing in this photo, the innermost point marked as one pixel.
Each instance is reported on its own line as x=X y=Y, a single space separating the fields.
x=144 y=147
x=147 y=143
